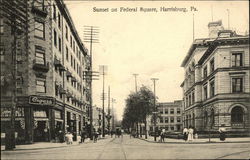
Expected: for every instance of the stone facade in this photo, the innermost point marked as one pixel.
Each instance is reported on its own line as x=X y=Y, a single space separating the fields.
x=216 y=87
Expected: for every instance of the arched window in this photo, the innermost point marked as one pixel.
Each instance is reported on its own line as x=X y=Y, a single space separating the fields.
x=205 y=118
x=212 y=117
x=237 y=114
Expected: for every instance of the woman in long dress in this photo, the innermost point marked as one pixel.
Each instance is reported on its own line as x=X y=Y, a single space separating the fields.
x=190 y=134
x=185 y=134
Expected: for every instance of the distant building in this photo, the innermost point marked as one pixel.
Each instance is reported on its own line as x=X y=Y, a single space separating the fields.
x=51 y=93
x=216 y=88
x=169 y=117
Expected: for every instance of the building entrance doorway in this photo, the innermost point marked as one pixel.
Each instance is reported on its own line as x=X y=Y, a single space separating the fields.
x=40 y=131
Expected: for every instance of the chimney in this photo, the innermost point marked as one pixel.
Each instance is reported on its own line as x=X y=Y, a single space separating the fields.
x=214 y=28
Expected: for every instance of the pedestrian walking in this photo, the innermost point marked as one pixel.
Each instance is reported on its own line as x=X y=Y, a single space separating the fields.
x=222 y=134
x=185 y=134
x=83 y=134
x=162 y=134
x=190 y=134
x=95 y=136
x=70 y=137
x=67 y=138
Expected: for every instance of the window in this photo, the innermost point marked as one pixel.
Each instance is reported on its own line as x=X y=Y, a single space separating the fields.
x=161 y=110
x=2 y=53
x=59 y=20
x=66 y=32
x=67 y=53
x=178 y=119
x=190 y=100
x=211 y=88
x=59 y=44
x=41 y=86
x=54 y=12
x=166 y=119
x=237 y=115
x=193 y=97
x=161 y=120
x=172 y=128
x=205 y=91
x=55 y=38
x=40 y=55
x=74 y=64
x=212 y=117
x=237 y=60
x=172 y=111
x=178 y=111
x=205 y=72
x=39 y=29
x=39 y=4
x=212 y=65
x=172 y=119
x=71 y=57
x=71 y=41
x=237 y=85
x=74 y=46
x=166 y=110
x=1 y=26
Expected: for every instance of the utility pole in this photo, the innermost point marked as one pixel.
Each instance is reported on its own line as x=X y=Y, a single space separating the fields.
x=155 y=112
x=91 y=36
x=103 y=69
x=135 y=75
x=109 y=116
x=15 y=15
x=113 y=116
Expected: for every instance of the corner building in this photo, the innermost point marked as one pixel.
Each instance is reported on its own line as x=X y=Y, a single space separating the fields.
x=216 y=89
x=52 y=95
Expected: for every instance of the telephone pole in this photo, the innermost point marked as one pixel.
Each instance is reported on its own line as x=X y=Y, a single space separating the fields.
x=155 y=111
x=15 y=15
x=103 y=69
x=91 y=36
x=113 y=116
x=135 y=75
x=109 y=116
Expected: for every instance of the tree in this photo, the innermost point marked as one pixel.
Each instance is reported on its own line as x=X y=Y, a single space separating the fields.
x=138 y=106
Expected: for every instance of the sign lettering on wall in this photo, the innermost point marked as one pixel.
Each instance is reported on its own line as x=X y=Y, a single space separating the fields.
x=6 y=112
x=40 y=113
x=45 y=101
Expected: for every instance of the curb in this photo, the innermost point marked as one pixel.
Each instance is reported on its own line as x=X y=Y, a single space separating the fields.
x=194 y=142
x=62 y=146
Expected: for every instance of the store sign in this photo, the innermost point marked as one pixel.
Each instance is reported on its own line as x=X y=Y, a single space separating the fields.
x=6 y=112
x=45 y=101
x=40 y=114
x=58 y=114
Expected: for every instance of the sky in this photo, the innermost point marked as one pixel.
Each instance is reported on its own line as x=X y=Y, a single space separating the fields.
x=150 y=44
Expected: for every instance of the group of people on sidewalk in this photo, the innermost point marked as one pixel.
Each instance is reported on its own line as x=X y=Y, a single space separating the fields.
x=189 y=134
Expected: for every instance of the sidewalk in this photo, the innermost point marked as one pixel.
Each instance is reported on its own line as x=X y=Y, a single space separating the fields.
x=198 y=141
x=47 y=145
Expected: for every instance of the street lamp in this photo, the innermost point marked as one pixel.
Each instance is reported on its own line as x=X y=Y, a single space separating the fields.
x=154 y=113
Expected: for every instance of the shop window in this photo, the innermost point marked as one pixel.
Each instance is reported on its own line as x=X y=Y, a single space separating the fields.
x=237 y=60
x=39 y=29
x=237 y=115
x=237 y=85
x=41 y=86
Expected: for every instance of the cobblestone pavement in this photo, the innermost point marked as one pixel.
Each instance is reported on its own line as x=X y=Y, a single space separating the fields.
x=133 y=148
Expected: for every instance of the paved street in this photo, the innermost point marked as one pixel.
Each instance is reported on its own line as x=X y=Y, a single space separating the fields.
x=131 y=148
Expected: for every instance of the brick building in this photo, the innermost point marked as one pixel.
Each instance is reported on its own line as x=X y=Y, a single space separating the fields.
x=51 y=59
x=170 y=116
x=216 y=89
